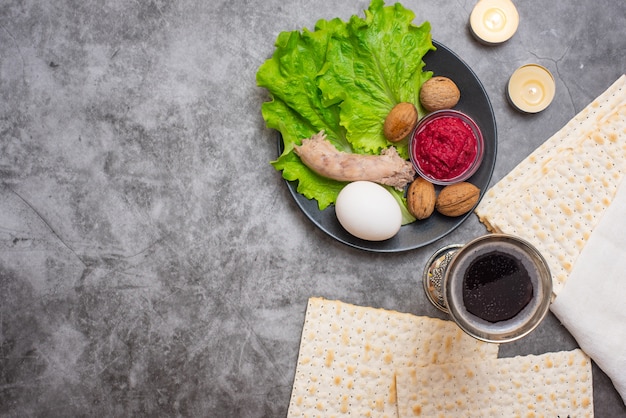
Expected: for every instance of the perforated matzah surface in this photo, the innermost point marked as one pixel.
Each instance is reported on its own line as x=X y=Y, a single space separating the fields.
x=548 y=385
x=349 y=354
x=557 y=195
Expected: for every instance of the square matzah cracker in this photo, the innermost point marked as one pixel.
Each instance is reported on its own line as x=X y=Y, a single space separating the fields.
x=557 y=195
x=581 y=125
x=548 y=385
x=348 y=356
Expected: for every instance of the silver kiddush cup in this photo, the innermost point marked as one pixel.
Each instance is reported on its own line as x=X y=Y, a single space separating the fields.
x=497 y=288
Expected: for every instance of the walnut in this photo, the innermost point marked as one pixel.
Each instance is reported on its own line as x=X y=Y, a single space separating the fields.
x=420 y=198
x=439 y=93
x=457 y=199
x=400 y=121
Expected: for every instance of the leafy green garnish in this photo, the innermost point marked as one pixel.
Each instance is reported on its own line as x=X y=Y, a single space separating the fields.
x=343 y=78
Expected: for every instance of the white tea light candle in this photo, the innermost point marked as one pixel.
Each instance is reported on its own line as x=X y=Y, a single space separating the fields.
x=494 y=21
x=531 y=88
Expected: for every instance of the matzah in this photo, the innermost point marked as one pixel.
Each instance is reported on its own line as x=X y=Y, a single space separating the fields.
x=555 y=197
x=349 y=354
x=547 y=385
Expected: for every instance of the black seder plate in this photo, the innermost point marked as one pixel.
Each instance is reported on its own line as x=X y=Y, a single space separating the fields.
x=475 y=103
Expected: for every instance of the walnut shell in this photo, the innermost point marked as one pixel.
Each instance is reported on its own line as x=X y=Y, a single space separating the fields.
x=457 y=199
x=439 y=93
x=420 y=198
x=400 y=121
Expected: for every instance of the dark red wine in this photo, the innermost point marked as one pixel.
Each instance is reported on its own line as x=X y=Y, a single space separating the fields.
x=496 y=287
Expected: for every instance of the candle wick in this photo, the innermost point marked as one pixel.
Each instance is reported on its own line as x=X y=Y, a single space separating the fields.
x=495 y=19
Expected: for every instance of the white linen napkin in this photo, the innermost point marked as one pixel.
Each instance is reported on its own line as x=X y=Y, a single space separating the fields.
x=592 y=305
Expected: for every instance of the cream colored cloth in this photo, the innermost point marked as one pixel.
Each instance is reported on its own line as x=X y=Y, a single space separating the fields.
x=592 y=305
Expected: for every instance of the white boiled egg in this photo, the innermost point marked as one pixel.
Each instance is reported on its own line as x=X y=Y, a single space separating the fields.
x=368 y=211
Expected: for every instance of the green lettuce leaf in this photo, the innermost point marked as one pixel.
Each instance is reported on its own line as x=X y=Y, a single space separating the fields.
x=372 y=65
x=296 y=109
x=343 y=78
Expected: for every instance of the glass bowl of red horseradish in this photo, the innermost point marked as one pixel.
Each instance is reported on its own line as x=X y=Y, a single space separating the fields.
x=446 y=147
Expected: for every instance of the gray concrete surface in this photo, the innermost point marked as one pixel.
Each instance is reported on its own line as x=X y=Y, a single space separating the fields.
x=152 y=262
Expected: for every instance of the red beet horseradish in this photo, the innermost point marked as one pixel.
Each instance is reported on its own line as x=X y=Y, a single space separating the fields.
x=446 y=147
